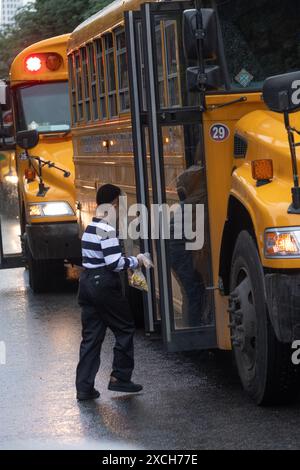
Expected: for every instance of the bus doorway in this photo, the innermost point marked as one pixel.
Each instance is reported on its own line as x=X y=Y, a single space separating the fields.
x=170 y=173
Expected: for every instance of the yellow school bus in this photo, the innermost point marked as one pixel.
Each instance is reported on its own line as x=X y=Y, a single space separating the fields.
x=170 y=101
x=44 y=160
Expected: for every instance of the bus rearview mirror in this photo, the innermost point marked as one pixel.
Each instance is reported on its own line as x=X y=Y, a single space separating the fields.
x=193 y=32
x=211 y=79
x=27 y=139
x=281 y=93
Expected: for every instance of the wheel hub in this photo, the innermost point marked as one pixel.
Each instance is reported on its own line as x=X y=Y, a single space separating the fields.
x=243 y=321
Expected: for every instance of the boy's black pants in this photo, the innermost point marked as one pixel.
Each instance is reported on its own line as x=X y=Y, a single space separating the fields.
x=103 y=305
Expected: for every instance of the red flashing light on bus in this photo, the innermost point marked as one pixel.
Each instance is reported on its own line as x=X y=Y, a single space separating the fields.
x=33 y=64
x=43 y=62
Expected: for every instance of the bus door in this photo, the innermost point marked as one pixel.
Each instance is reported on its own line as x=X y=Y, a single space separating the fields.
x=10 y=230
x=170 y=173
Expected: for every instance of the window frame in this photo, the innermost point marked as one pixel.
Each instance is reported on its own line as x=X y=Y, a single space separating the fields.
x=102 y=96
x=72 y=90
x=94 y=96
x=86 y=84
x=119 y=52
x=112 y=93
x=79 y=87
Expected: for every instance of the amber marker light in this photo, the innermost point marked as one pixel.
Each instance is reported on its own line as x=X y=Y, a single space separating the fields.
x=30 y=174
x=281 y=243
x=262 y=170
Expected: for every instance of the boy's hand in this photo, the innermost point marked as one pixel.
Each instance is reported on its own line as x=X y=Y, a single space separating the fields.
x=144 y=259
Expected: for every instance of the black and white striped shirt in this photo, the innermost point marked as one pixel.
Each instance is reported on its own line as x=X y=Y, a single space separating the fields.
x=101 y=247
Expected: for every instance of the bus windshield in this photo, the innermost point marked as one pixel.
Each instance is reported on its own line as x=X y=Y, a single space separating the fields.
x=44 y=107
x=261 y=39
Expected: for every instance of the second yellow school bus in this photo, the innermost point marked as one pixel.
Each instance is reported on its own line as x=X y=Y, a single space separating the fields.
x=170 y=121
x=39 y=88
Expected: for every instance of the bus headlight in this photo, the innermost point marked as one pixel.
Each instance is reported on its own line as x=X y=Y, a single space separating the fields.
x=282 y=242
x=50 y=209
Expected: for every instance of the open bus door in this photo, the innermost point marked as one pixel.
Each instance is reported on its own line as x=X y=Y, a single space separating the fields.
x=10 y=230
x=170 y=168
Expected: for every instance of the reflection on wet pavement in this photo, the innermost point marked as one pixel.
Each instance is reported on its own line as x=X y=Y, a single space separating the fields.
x=11 y=235
x=190 y=401
x=9 y=217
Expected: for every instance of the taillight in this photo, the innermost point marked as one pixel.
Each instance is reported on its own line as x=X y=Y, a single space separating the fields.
x=33 y=64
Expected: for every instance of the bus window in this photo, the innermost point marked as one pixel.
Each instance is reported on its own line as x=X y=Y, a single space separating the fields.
x=124 y=103
x=78 y=73
x=167 y=63
x=258 y=46
x=101 y=80
x=44 y=107
x=92 y=65
x=86 y=83
x=172 y=62
x=73 y=90
x=110 y=75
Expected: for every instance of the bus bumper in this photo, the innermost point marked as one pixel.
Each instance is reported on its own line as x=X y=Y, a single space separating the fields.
x=283 y=299
x=54 y=241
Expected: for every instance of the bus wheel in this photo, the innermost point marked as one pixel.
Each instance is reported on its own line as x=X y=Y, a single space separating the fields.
x=44 y=275
x=264 y=364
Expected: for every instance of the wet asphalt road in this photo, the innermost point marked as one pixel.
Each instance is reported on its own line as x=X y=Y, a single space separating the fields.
x=190 y=401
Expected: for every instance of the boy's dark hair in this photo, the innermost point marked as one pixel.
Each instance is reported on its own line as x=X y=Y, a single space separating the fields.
x=107 y=193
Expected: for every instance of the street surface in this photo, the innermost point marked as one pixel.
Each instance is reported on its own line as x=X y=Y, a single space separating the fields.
x=190 y=400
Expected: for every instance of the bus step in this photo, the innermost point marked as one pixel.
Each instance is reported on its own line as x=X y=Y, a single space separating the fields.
x=12 y=262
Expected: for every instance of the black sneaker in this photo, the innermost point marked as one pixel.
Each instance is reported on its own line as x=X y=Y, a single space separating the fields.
x=125 y=387
x=92 y=395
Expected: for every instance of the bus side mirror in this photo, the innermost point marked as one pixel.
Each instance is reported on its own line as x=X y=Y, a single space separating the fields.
x=27 y=139
x=192 y=33
x=281 y=93
x=200 y=30
x=212 y=78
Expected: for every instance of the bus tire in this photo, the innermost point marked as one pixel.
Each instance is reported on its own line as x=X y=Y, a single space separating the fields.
x=44 y=275
x=264 y=364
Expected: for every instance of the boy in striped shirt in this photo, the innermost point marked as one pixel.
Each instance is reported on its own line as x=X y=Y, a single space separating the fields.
x=103 y=304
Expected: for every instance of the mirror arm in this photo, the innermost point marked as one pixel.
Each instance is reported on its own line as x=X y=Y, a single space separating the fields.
x=41 y=164
x=42 y=188
x=212 y=107
x=200 y=37
x=295 y=206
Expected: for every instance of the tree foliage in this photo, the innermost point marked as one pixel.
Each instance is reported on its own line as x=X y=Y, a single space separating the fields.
x=40 y=20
